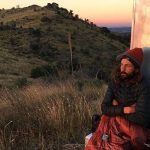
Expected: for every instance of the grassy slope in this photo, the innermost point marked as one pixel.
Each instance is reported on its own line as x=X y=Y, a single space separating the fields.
x=34 y=42
x=13 y=67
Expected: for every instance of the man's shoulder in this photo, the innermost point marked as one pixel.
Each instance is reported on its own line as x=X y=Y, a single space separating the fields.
x=144 y=84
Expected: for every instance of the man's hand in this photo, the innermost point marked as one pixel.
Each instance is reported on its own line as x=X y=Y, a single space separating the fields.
x=115 y=103
x=129 y=109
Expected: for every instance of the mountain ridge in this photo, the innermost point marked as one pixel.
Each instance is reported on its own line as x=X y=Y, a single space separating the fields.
x=120 y=29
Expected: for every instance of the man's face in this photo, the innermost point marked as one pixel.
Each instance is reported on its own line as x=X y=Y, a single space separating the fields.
x=127 y=69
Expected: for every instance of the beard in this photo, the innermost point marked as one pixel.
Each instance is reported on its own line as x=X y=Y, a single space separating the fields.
x=126 y=76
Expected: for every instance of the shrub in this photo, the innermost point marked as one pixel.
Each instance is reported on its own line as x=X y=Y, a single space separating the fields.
x=12 y=25
x=45 y=19
x=34 y=46
x=35 y=32
x=45 y=70
x=21 y=82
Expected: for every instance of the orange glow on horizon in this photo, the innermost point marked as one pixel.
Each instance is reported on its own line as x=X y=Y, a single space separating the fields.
x=112 y=21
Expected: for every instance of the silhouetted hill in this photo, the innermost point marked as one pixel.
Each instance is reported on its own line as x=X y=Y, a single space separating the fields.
x=34 y=43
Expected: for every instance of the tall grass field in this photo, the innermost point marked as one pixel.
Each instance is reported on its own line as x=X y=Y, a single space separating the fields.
x=48 y=116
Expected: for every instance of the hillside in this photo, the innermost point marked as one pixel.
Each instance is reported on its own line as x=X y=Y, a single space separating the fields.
x=34 y=43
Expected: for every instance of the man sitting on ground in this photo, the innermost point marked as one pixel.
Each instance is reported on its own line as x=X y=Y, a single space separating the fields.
x=125 y=108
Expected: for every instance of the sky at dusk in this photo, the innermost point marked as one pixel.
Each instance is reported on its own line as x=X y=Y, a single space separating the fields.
x=101 y=12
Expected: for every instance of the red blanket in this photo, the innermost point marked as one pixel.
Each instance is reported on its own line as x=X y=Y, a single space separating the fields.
x=116 y=133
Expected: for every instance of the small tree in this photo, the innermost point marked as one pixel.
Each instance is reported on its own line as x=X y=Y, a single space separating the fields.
x=70 y=47
x=76 y=17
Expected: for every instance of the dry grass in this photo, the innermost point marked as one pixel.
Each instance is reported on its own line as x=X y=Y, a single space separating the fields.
x=47 y=116
x=26 y=17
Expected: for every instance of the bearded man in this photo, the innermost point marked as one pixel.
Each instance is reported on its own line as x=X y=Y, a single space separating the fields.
x=128 y=91
x=125 y=108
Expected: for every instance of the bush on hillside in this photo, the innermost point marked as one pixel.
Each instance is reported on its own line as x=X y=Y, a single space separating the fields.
x=34 y=46
x=21 y=82
x=45 y=19
x=34 y=32
x=45 y=70
x=12 y=25
x=45 y=49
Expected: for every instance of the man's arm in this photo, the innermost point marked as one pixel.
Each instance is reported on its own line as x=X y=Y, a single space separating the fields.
x=141 y=108
x=107 y=107
x=127 y=109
